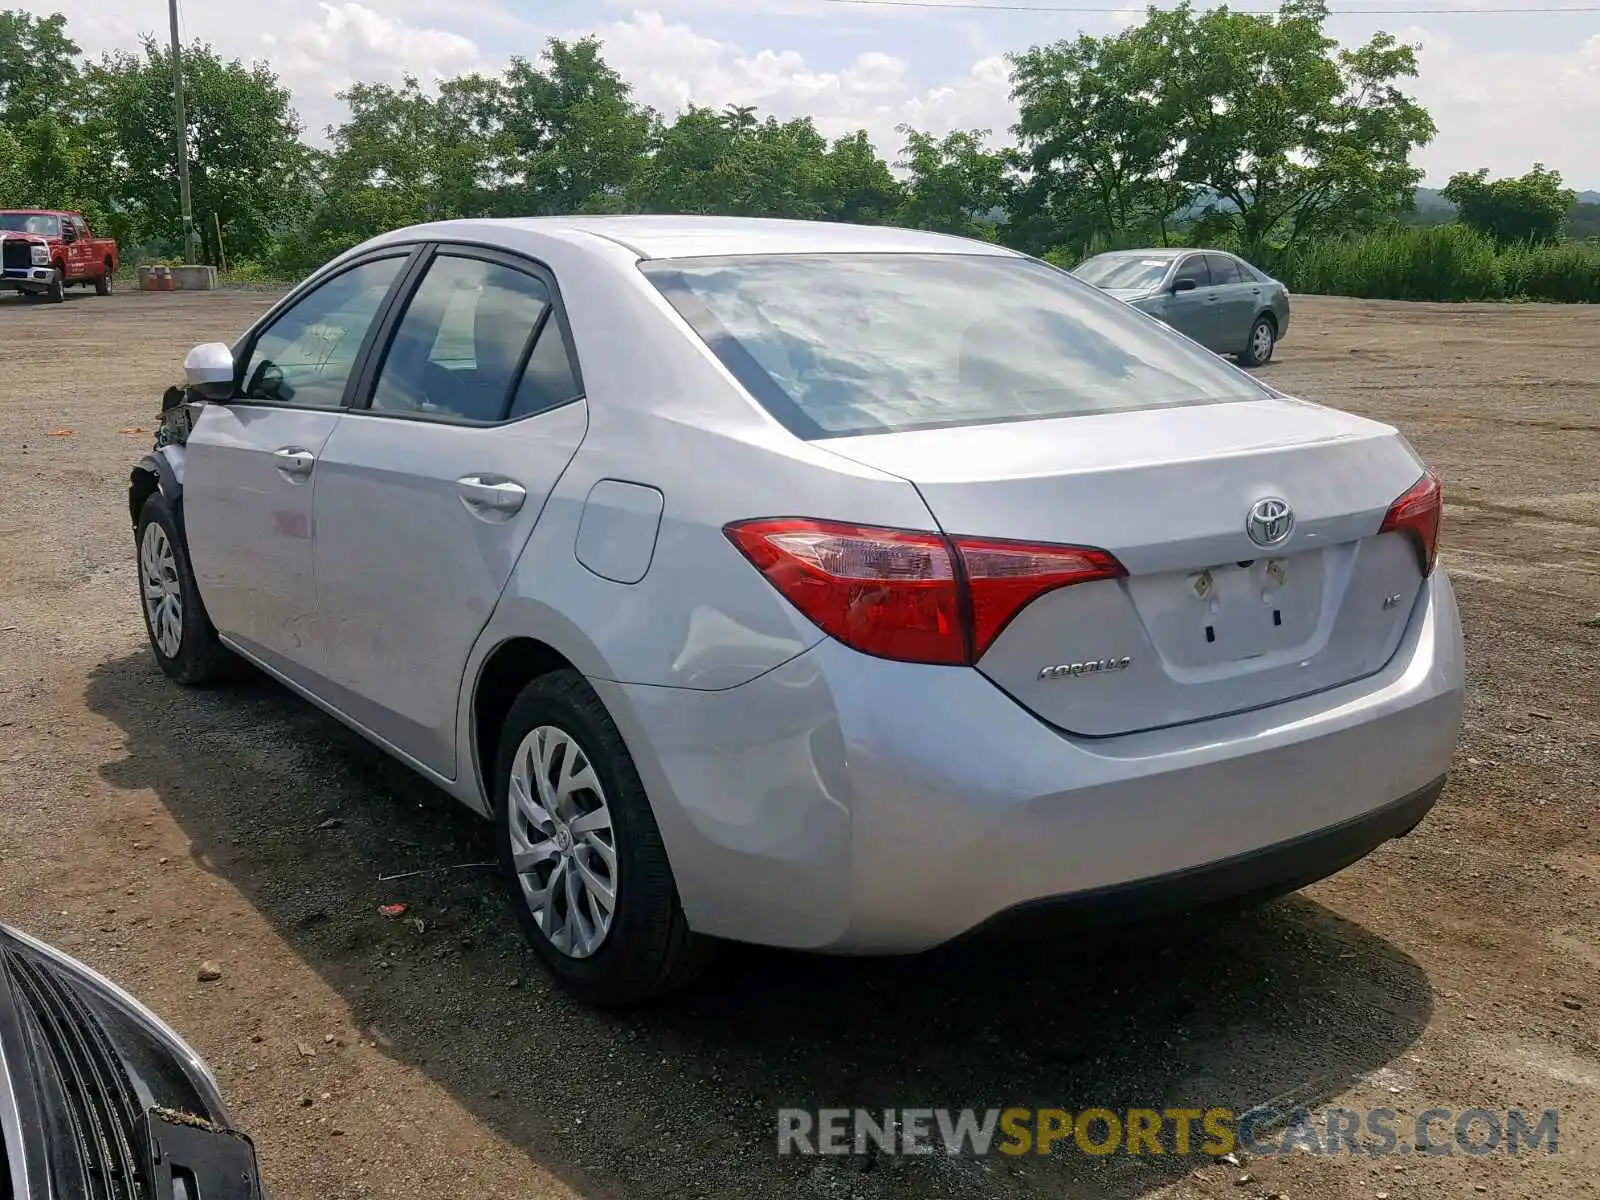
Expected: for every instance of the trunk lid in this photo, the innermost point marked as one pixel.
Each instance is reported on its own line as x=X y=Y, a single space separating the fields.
x=1207 y=622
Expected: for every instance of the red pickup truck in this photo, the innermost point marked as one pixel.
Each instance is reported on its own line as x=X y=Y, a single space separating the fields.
x=44 y=251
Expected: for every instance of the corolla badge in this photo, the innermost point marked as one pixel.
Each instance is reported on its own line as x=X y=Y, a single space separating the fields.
x=1270 y=521
x=1092 y=667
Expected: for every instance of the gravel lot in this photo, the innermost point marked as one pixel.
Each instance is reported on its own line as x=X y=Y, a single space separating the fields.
x=146 y=829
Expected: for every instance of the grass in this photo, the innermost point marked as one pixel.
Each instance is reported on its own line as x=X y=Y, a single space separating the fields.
x=1445 y=262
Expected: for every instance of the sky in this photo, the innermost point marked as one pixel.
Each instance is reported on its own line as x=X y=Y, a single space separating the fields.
x=1506 y=89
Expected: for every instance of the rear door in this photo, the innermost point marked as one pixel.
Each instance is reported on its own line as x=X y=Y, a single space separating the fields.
x=1236 y=305
x=429 y=489
x=251 y=466
x=1193 y=312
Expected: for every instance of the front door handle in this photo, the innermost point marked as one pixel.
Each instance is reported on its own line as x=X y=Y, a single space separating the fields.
x=491 y=496
x=294 y=461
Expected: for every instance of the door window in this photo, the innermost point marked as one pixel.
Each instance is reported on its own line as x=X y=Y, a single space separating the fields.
x=305 y=357
x=456 y=353
x=1194 y=267
x=1223 y=269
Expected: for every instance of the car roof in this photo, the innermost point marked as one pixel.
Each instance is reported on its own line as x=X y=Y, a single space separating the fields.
x=670 y=236
x=37 y=212
x=1159 y=252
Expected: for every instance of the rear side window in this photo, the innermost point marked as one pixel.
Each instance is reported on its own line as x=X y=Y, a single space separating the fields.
x=1223 y=269
x=465 y=336
x=835 y=345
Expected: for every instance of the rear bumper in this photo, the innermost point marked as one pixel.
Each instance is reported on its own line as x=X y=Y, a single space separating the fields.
x=1249 y=878
x=850 y=804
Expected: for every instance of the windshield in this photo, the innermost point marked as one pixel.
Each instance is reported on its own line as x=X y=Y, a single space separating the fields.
x=1122 y=271
x=874 y=343
x=38 y=223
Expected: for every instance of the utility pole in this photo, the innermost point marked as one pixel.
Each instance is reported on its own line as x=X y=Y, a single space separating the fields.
x=180 y=127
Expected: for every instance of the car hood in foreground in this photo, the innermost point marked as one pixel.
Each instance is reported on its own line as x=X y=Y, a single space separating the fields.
x=98 y=1097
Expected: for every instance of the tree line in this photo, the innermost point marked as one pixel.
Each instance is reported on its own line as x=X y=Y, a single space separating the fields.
x=1254 y=131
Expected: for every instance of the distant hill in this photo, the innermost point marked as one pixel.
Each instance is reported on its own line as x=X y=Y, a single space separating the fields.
x=1429 y=200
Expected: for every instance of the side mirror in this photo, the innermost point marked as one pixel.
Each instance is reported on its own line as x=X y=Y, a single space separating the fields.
x=1184 y=283
x=68 y=234
x=208 y=370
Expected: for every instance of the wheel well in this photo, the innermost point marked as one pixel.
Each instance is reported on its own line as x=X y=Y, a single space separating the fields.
x=144 y=485
x=511 y=667
x=1271 y=318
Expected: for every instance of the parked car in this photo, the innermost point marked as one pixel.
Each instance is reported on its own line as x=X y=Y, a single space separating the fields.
x=43 y=252
x=102 y=1099
x=1217 y=299
x=838 y=588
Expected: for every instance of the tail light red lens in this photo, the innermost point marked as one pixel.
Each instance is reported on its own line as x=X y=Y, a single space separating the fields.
x=908 y=595
x=1417 y=514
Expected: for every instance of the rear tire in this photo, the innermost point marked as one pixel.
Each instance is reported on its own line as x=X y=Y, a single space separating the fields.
x=102 y=284
x=181 y=634
x=574 y=826
x=1262 y=341
x=56 y=292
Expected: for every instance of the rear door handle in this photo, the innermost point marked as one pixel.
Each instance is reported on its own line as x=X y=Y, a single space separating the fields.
x=491 y=496
x=294 y=461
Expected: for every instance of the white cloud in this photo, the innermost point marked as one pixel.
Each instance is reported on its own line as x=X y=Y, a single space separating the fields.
x=1506 y=109
x=340 y=44
x=672 y=66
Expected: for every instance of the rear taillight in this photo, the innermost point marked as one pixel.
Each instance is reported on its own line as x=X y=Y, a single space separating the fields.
x=907 y=595
x=1417 y=514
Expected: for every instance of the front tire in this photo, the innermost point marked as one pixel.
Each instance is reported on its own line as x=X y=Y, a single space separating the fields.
x=181 y=634
x=580 y=851
x=56 y=292
x=1260 y=344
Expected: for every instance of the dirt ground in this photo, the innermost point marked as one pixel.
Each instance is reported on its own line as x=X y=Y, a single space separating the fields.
x=147 y=829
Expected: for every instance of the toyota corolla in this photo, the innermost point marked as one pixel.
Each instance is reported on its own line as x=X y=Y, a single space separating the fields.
x=838 y=588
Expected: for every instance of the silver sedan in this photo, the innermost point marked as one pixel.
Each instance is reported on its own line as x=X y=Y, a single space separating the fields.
x=1217 y=299
x=839 y=588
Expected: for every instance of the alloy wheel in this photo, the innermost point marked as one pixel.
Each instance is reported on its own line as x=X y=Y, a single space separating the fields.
x=562 y=842
x=1261 y=340
x=163 y=594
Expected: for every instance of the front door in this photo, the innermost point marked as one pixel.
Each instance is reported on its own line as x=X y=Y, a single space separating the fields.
x=1194 y=312
x=427 y=494
x=1236 y=303
x=251 y=468
x=80 y=254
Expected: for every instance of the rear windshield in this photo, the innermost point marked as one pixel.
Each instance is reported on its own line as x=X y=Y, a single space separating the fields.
x=843 y=344
x=1127 y=271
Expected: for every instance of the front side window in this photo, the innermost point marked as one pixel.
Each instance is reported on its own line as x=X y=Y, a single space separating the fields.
x=844 y=344
x=304 y=358
x=1194 y=267
x=458 y=349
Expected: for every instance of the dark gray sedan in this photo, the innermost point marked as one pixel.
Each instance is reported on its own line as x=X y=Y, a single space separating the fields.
x=1219 y=300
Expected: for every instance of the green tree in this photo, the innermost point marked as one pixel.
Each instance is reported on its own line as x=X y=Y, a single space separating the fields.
x=1529 y=208
x=1278 y=132
x=732 y=163
x=247 y=164
x=38 y=68
x=954 y=185
x=1094 y=127
x=573 y=134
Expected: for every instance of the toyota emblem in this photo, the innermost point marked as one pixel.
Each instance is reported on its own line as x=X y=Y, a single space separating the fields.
x=1270 y=522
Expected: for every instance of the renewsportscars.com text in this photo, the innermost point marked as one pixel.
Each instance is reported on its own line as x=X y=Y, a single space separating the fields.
x=1374 y=1132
